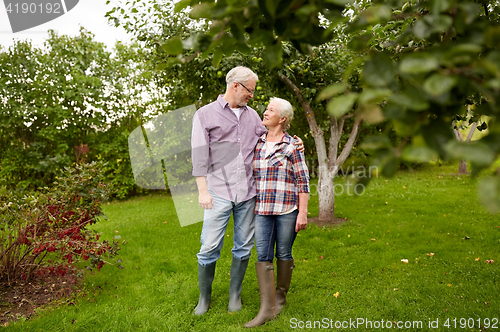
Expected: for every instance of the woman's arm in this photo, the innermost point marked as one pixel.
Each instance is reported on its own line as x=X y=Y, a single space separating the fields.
x=301 y=174
x=302 y=216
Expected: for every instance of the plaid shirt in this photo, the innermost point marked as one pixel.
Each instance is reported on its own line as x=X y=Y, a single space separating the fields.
x=280 y=176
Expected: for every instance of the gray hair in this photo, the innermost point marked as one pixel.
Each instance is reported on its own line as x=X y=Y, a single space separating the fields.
x=240 y=74
x=285 y=109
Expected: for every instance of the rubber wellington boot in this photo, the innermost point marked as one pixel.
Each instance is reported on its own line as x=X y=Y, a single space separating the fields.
x=265 y=276
x=238 y=269
x=284 y=276
x=205 y=279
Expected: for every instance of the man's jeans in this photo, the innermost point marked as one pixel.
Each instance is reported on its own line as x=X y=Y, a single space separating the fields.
x=275 y=229
x=214 y=226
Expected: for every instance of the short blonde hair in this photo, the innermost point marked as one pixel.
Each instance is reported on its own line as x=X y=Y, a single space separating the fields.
x=286 y=110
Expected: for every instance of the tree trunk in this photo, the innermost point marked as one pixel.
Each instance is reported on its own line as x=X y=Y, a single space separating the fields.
x=462 y=164
x=326 y=192
x=329 y=164
x=462 y=167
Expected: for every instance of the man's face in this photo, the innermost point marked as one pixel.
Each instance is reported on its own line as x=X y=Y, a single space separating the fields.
x=244 y=92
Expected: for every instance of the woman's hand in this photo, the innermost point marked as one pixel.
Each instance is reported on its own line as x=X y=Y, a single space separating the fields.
x=301 y=222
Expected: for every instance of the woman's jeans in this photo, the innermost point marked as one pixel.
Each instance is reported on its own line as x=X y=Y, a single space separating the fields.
x=275 y=229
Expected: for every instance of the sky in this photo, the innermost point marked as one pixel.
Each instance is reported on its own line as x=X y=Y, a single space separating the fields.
x=87 y=13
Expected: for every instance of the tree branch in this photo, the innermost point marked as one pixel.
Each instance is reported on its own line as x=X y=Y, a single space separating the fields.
x=471 y=132
x=335 y=134
x=318 y=134
x=305 y=105
x=458 y=134
x=350 y=143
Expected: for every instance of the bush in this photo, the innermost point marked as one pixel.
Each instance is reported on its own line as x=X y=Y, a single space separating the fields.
x=46 y=231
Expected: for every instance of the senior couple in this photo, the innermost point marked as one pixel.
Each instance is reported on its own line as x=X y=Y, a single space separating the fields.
x=260 y=176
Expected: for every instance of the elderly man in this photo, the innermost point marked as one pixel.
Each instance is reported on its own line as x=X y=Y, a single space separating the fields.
x=224 y=136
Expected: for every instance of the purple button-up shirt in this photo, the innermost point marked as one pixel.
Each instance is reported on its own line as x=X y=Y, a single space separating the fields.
x=223 y=149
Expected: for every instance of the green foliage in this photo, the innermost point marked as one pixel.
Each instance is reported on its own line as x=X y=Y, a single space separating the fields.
x=70 y=93
x=432 y=58
x=48 y=231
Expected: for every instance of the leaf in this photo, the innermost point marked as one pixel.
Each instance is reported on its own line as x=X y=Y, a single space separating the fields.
x=330 y=91
x=217 y=57
x=181 y=5
x=389 y=166
x=202 y=10
x=361 y=42
x=463 y=53
x=439 y=84
x=379 y=71
x=376 y=143
x=371 y=113
x=374 y=95
x=342 y=104
x=305 y=11
x=439 y=23
x=271 y=6
x=339 y=2
x=228 y=46
x=410 y=100
x=489 y=193
x=418 y=154
x=476 y=152
x=273 y=55
x=419 y=63
x=421 y=30
x=492 y=36
x=173 y=46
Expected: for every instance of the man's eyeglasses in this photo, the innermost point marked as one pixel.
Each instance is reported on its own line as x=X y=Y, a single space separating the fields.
x=250 y=91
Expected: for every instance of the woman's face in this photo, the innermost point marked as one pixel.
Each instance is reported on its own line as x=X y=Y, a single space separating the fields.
x=272 y=117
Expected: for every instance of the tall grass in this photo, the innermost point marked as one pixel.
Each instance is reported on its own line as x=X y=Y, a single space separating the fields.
x=352 y=271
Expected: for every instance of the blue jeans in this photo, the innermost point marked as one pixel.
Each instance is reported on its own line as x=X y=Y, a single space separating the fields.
x=271 y=230
x=214 y=226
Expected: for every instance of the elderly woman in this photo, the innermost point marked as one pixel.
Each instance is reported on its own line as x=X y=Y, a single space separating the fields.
x=282 y=193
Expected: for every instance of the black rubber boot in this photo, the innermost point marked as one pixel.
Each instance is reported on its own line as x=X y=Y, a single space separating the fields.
x=205 y=279
x=238 y=269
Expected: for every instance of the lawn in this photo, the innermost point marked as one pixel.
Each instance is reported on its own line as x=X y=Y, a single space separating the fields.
x=345 y=274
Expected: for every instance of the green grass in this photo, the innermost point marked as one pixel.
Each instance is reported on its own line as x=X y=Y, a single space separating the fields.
x=408 y=217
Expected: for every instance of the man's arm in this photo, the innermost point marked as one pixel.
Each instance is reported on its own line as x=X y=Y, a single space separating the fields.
x=205 y=200
x=200 y=159
x=300 y=144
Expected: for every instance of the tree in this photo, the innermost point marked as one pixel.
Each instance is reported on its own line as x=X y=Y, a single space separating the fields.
x=461 y=123
x=302 y=76
x=424 y=58
x=68 y=93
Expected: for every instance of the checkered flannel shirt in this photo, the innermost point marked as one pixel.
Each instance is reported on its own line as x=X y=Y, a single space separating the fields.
x=280 y=176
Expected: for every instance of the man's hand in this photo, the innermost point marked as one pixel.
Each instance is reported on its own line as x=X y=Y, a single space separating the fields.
x=206 y=200
x=300 y=144
x=301 y=222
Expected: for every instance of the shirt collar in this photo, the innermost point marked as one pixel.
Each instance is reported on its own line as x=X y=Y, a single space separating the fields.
x=285 y=139
x=223 y=103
